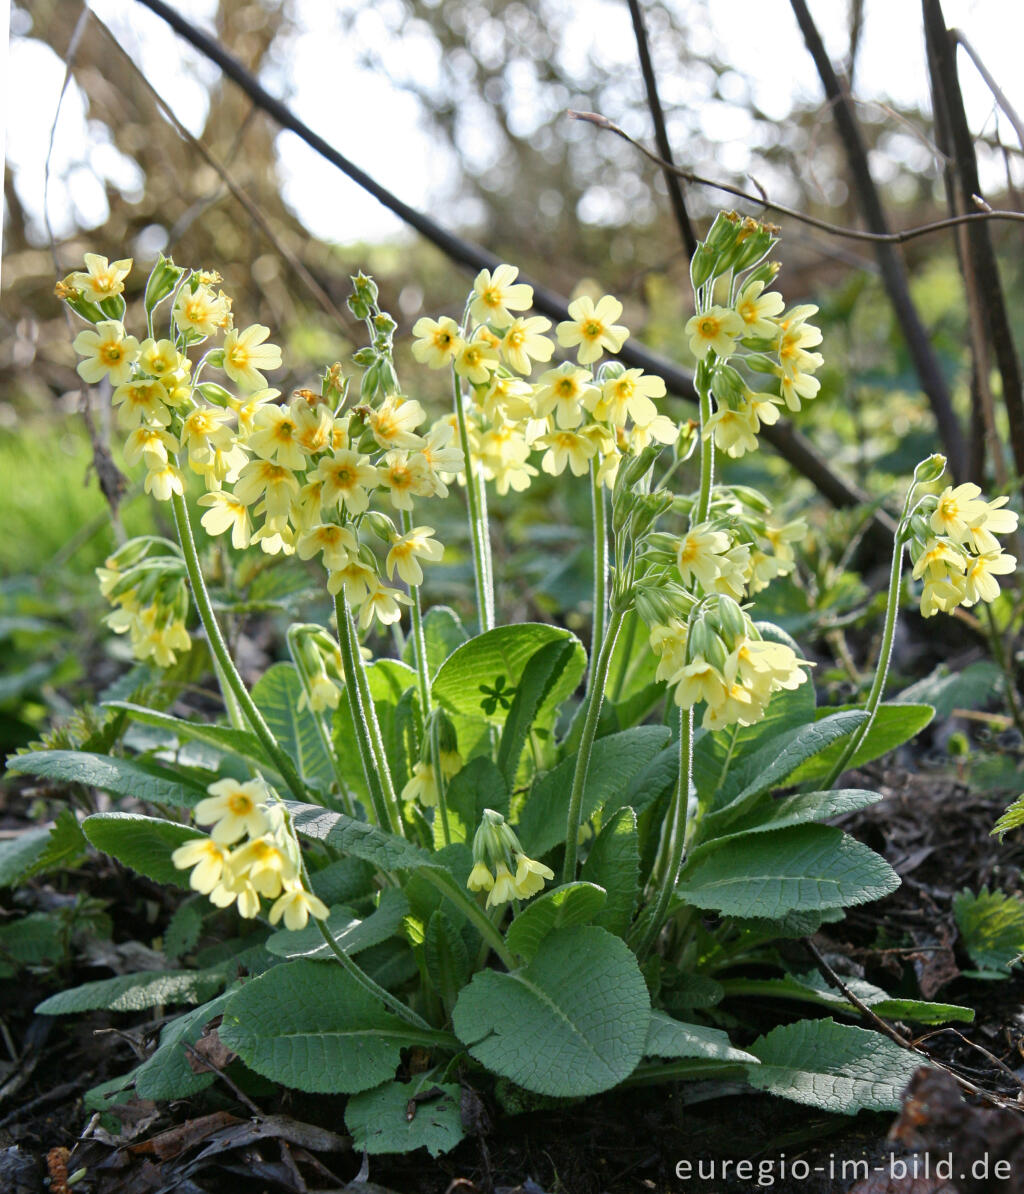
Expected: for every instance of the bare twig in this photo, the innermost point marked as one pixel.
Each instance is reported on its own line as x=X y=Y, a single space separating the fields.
x=949 y=108
x=899 y=237
x=894 y=274
x=998 y=94
x=675 y=190
x=322 y=298
x=836 y=982
x=108 y=476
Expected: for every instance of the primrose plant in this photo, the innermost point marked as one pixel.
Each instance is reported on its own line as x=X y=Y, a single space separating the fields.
x=490 y=862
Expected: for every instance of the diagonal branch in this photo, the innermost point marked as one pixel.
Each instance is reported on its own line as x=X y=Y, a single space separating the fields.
x=894 y=274
x=672 y=181
x=982 y=266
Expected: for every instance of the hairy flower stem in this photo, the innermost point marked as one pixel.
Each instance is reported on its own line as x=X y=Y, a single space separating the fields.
x=702 y=381
x=600 y=563
x=679 y=834
x=440 y=782
x=364 y=718
x=419 y=641
x=892 y=610
x=598 y=680
x=220 y=652
x=476 y=502
x=322 y=727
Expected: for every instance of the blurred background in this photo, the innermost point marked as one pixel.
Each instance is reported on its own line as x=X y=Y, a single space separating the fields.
x=460 y=109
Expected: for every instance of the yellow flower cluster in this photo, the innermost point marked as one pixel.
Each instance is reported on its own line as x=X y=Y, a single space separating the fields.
x=296 y=477
x=500 y=866
x=569 y=415
x=955 y=551
x=755 y=330
x=145 y=582
x=720 y=658
x=249 y=855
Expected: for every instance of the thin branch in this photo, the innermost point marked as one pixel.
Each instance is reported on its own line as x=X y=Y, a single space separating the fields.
x=949 y=108
x=320 y=295
x=894 y=275
x=108 y=476
x=675 y=190
x=900 y=237
x=958 y=38
x=835 y=981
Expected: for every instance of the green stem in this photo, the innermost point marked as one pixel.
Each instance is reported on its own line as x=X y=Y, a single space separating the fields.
x=220 y=652
x=598 y=680
x=679 y=833
x=477 y=520
x=450 y=889
x=349 y=652
x=419 y=640
x=892 y=610
x=440 y=782
x=600 y=562
x=391 y=1002
x=707 y=448
x=318 y=720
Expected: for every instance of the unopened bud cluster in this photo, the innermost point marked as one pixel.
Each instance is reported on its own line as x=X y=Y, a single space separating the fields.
x=500 y=866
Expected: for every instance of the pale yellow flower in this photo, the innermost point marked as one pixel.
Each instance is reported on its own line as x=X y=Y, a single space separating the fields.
x=246 y=355
x=566 y=448
x=164 y=481
x=404 y=477
x=296 y=906
x=158 y=357
x=276 y=436
x=393 y=423
x=142 y=400
x=408 y=549
x=108 y=352
x=348 y=477
x=757 y=310
x=437 y=341
x=524 y=342
x=227 y=513
x=101 y=279
x=234 y=809
x=564 y=391
x=200 y=310
x=206 y=858
x=476 y=360
x=497 y=295
x=336 y=544
x=592 y=326
x=716 y=330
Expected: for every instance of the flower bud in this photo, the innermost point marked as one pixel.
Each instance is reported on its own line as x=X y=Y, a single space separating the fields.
x=214 y=393
x=380 y=525
x=728 y=385
x=163 y=278
x=930 y=469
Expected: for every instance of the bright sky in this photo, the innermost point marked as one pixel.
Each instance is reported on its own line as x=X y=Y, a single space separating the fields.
x=395 y=148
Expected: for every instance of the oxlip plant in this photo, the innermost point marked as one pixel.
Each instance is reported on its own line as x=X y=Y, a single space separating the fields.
x=494 y=861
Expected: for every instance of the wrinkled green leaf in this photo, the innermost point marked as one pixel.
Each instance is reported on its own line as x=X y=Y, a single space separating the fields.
x=834 y=1067
x=124 y=777
x=390 y=1120
x=570 y=904
x=314 y=1028
x=802 y=868
x=573 y=1022
x=143 y=843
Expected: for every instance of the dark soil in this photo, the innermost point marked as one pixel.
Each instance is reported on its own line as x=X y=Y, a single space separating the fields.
x=929 y=826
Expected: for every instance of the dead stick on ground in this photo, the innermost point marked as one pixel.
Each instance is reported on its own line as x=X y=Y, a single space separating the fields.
x=834 y=980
